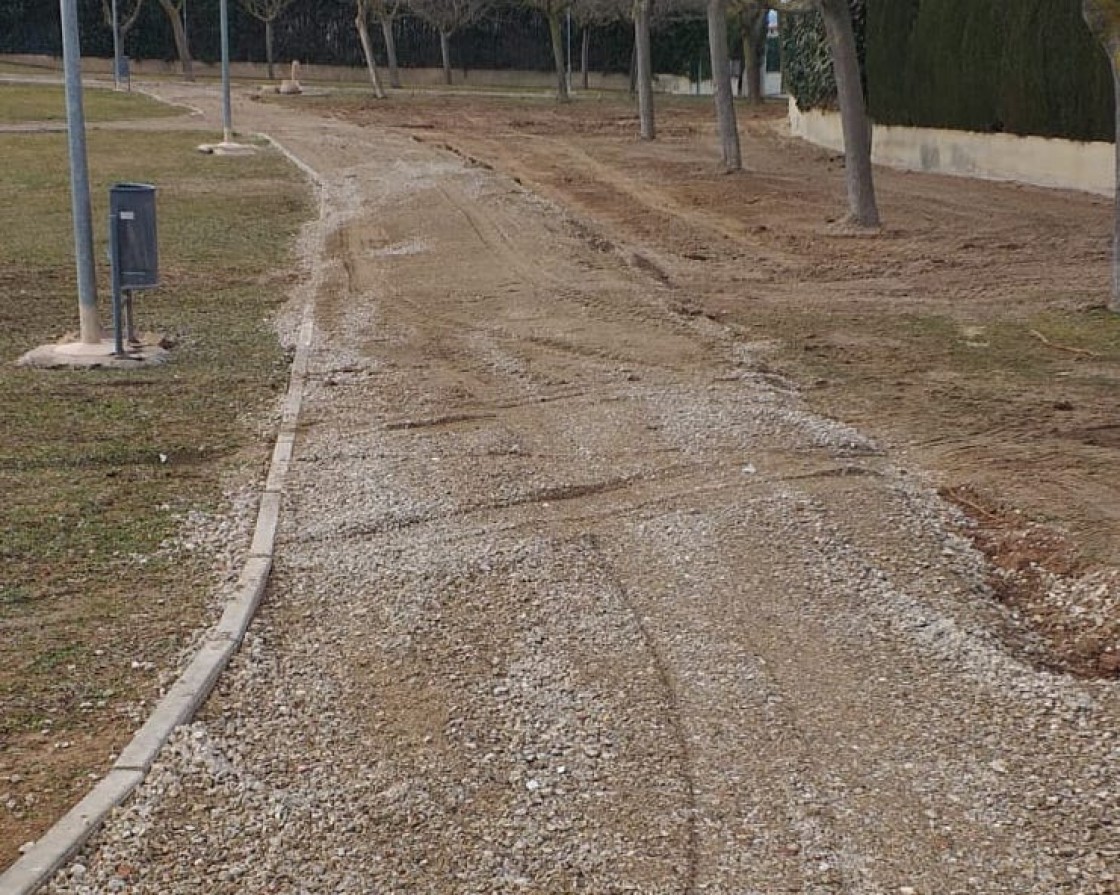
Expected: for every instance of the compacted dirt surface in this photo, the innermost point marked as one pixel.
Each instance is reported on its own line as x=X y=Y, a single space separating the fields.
x=593 y=577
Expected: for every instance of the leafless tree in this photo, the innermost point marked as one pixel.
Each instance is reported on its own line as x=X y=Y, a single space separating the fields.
x=588 y=14
x=267 y=12
x=642 y=12
x=721 y=85
x=447 y=17
x=644 y=69
x=753 y=22
x=863 y=210
x=362 y=9
x=126 y=18
x=387 y=12
x=174 y=12
x=1103 y=17
x=554 y=11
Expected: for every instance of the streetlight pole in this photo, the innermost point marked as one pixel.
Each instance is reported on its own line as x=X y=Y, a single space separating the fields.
x=89 y=325
x=227 y=114
x=116 y=47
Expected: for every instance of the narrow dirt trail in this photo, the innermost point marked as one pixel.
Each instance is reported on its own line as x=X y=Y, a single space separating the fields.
x=573 y=596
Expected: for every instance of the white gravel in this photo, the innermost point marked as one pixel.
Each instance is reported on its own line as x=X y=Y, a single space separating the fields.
x=570 y=598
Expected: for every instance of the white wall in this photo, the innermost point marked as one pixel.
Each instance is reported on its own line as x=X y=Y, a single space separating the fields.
x=1065 y=164
x=771 y=84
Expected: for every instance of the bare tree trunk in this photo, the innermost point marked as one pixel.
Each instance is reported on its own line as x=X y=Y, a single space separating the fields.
x=367 y=50
x=643 y=69
x=268 y=47
x=126 y=24
x=634 y=60
x=1103 y=17
x=743 y=70
x=721 y=81
x=445 y=51
x=391 y=51
x=182 y=47
x=862 y=208
x=754 y=54
x=584 y=55
x=556 y=32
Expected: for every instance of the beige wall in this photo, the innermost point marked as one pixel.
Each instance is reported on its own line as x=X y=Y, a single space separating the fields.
x=1065 y=164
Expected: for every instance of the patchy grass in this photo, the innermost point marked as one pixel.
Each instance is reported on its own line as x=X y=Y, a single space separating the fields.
x=47 y=102
x=100 y=468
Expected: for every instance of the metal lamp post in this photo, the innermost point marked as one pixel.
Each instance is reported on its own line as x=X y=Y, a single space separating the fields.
x=90 y=326
x=116 y=47
x=227 y=114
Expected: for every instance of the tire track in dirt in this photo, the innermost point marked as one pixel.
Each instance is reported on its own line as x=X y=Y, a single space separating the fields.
x=743 y=678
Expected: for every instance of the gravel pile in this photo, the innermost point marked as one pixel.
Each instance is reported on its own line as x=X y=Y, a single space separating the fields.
x=567 y=605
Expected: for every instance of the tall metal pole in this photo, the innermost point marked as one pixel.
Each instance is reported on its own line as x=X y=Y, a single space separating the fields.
x=227 y=115
x=89 y=325
x=116 y=48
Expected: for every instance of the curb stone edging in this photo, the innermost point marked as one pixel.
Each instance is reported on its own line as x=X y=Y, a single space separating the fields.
x=179 y=704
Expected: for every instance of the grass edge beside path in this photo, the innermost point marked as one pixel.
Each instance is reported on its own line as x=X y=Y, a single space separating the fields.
x=130 y=492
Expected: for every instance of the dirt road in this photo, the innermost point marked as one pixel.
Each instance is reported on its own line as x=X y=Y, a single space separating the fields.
x=575 y=594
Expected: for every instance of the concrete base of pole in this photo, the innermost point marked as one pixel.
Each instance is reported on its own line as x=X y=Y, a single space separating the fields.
x=227 y=147
x=72 y=354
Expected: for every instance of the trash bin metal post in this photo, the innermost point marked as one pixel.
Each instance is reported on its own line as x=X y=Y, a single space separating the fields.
x=115 y=279
x=129 y=320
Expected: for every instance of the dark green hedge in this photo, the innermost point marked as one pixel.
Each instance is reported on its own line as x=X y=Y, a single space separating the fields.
x=1028 y=67
x=806 y=62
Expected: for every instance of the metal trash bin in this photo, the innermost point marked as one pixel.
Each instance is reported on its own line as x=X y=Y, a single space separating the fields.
x=124 y=71
x=133 y=251
x=132 y=211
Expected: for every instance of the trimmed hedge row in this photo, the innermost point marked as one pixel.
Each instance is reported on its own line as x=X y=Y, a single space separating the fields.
x=1028 y=67
x=806 y=61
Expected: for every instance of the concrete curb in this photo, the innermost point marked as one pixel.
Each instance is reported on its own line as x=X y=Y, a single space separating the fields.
x=193 y=686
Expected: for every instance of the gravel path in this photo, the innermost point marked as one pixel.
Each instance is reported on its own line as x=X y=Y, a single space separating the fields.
x=572 y=597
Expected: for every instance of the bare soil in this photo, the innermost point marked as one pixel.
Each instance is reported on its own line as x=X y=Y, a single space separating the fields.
x=969 y=335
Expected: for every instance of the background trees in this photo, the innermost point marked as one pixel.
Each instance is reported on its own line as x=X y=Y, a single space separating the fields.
x=362 y=10
x=753 y=21
x=128 y=14
x=448 y=17
x=266 y=12
x=554 y=11
x=591 y=14
x=174 y=11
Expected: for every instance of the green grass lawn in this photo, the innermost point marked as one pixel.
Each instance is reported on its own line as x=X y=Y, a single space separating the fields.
x=47 y=102
x=99 y=468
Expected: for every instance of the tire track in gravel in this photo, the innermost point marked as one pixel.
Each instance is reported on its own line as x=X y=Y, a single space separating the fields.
x=672 y=698
x=658 y=631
